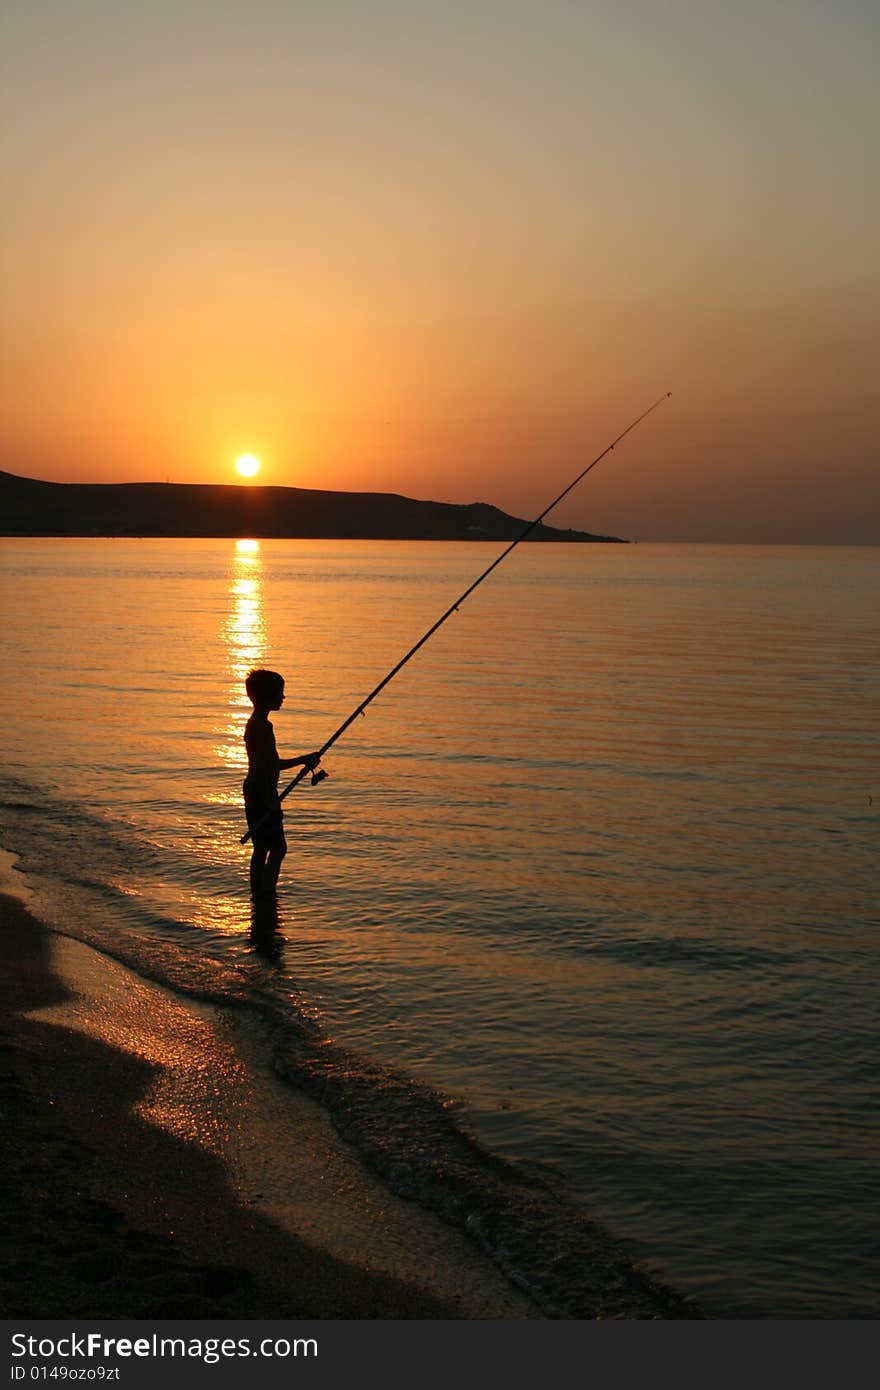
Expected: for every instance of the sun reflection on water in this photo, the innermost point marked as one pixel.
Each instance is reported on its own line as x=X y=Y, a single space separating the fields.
x=245 y=640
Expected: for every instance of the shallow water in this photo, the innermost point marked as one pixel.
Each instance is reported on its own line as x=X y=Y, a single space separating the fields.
x=599 y=863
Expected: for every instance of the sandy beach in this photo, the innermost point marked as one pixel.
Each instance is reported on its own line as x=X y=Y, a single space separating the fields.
x=132 y=1181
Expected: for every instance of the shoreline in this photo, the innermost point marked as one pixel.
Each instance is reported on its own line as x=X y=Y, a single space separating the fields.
x=112 y=1209
x=142 y=1119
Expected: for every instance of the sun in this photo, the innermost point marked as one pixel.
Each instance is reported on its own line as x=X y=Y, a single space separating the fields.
x=247 y=465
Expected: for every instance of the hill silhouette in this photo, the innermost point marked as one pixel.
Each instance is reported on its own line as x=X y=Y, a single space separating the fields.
x=30 y=507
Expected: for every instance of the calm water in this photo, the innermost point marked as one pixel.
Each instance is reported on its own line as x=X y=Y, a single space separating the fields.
x=600 y=863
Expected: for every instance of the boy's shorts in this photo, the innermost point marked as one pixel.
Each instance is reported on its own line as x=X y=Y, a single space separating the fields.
x=271 y=832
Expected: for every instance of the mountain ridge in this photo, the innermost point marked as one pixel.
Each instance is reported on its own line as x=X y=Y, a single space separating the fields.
x=34 y=507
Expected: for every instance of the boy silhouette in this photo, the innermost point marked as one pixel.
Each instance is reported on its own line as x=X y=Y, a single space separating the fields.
x=261 y=804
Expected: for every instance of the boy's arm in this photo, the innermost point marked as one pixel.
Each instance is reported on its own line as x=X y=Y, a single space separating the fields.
x=309 y=760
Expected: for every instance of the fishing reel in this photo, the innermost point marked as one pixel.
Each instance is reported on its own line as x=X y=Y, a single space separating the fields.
x=318 y=776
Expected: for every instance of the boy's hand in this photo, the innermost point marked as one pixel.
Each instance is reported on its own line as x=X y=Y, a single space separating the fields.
x=311 y=761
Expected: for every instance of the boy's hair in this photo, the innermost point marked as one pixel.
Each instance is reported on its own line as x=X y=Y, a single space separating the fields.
x=262 y=685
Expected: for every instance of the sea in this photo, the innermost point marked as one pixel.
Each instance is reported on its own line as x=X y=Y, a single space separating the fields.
x=589 y=891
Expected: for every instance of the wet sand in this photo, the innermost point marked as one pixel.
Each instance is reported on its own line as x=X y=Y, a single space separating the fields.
x=150 y=1168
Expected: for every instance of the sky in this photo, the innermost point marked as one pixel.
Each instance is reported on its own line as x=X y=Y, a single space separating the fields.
x=451 y=250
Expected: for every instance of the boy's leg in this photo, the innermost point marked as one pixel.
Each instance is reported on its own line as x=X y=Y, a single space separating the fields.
x=258 y=865
x=273 y=867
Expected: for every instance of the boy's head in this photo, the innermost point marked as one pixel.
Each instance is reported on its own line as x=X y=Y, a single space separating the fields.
x=265 y=688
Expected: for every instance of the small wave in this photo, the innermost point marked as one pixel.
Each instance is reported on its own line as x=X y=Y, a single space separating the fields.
x=667 y=952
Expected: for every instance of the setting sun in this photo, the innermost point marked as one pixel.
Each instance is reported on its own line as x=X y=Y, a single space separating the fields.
x=247 y=465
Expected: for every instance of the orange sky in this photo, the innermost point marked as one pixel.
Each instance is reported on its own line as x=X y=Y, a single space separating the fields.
x=451 y=250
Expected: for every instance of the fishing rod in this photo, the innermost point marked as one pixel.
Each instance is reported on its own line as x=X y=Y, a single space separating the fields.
x=318 y=774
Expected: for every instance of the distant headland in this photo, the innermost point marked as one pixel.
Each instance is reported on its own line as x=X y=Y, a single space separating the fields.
x=30 y=507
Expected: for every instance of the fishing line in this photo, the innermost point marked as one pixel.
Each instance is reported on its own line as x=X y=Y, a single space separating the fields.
x=319 y=774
